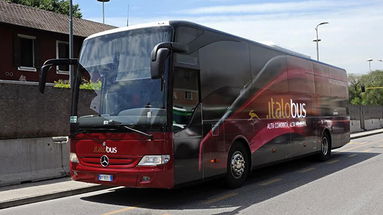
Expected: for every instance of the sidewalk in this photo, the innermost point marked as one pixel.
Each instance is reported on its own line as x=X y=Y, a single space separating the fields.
x=16 y=195
x=11 y=196
x=366 y=133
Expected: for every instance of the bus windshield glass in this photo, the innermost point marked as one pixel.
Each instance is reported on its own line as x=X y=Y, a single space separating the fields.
x=116 y=89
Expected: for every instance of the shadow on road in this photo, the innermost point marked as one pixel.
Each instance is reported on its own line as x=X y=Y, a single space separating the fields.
x=254 y=191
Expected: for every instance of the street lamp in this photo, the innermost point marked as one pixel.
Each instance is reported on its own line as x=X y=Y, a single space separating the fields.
x=103 y=12
x=317 y=40
x=369 y=63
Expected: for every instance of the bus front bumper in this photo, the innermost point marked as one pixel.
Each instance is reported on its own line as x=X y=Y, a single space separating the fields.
x=138 y=177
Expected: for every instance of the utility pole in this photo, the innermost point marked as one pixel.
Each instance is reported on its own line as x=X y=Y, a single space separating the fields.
x=127 y=17
x=71 y=75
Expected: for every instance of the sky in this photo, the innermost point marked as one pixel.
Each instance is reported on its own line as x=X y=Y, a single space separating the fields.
x=354 y=33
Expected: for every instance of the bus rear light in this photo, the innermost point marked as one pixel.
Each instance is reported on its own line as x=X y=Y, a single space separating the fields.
x=154 y=160
x=73 y=158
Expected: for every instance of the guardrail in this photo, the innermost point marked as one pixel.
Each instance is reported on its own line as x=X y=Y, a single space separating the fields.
x=33 y=159
x=365 y=117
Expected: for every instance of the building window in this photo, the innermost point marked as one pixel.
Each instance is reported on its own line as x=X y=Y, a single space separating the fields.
x=62 y=51
x=26 y=53
x=188 y=95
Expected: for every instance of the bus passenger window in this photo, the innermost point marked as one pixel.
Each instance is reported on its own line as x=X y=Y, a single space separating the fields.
x=185 y=96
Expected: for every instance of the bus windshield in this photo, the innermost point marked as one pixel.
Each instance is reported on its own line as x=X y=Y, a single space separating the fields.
x=116 y=86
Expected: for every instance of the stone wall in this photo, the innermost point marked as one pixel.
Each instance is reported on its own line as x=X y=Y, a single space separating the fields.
x=25 y=113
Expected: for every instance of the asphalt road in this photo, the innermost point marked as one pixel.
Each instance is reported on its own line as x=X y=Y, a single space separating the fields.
x=349 y=183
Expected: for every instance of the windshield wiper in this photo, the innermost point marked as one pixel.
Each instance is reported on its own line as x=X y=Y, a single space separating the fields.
x=95 y=122
x=119 y=124
x=149 y=136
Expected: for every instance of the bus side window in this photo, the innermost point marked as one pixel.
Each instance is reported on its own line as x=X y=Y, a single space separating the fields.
x=185 y=96
x=225 y=71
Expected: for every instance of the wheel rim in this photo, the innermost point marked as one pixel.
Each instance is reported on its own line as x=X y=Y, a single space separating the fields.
x=324 y=146
x=237 y=164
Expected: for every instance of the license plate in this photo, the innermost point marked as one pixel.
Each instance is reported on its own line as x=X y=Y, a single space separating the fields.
x=105 y=177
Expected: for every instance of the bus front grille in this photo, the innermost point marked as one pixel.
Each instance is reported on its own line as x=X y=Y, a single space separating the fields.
x=115 y=161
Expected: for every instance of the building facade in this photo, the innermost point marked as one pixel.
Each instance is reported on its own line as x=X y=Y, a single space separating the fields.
x=29 y=36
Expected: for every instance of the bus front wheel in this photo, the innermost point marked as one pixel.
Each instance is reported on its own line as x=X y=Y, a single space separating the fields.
x=238 y=165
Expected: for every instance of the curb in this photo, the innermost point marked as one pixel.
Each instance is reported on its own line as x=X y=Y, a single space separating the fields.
x=366 y=135
x=34 y=199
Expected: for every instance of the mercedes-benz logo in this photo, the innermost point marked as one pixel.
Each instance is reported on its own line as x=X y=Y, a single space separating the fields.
x=104 y=160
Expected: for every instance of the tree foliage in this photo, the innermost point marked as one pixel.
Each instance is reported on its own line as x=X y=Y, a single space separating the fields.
x=58 y=6
x=85 y=85
x=371 y=95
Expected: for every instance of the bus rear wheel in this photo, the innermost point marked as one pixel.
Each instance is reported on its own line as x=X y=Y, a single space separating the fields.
x=325 y=152
x=238 y=165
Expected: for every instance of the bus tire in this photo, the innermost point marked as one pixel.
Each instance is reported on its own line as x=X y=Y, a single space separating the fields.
x=238 y=164
x=325 y=150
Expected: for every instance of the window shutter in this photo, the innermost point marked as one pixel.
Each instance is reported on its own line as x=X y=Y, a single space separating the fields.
x=16 y=51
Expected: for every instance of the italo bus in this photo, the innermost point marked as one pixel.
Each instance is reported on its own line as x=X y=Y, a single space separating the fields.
x=176 y=102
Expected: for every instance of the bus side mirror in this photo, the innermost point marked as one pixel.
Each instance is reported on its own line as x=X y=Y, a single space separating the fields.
x=159 y=54
x=47 y=65
x=43 y=76
x=157 y=65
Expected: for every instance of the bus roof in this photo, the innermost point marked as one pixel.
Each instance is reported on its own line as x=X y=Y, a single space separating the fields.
x=276 y=48
x=198 y=26
x=128 y=28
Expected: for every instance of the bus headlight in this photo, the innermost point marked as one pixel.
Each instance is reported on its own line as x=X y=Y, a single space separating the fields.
x=154 y=160
x=73 y=157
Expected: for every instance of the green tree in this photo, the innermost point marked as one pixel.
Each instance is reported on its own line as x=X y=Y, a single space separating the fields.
x=354 y=89
x=58 y=6
x=371 y=95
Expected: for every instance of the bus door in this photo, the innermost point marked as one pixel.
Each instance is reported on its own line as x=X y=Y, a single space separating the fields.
x=187 y=124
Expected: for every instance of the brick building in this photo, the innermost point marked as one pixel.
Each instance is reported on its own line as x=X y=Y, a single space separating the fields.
x=29 y=36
